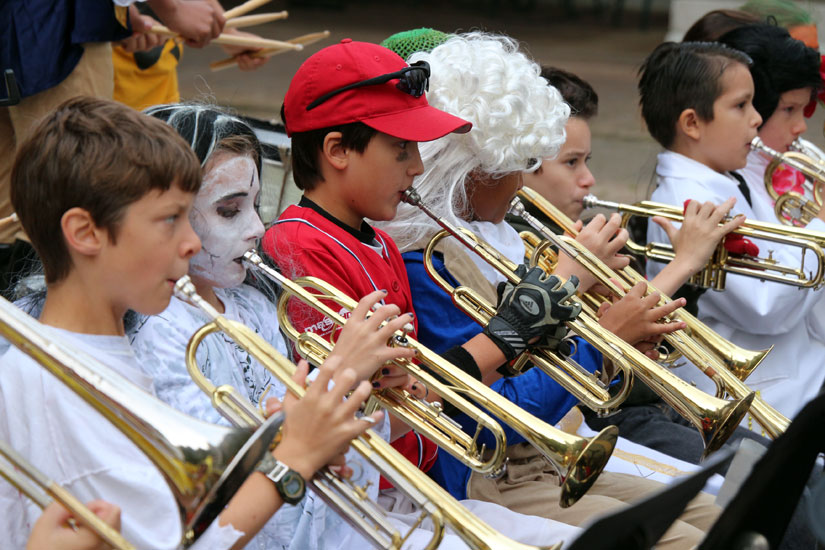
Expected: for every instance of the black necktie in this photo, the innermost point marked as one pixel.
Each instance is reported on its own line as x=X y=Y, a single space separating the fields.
x=743 y=187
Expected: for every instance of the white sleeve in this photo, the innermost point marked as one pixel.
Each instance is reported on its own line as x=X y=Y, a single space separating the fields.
x=746 y=304
x=159 y=343
x=217 y=537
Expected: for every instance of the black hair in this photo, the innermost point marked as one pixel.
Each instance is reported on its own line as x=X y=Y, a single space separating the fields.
x=208 y=129
x=582 y=98
x=679 y=76
x=780 y=63
x=307 y=146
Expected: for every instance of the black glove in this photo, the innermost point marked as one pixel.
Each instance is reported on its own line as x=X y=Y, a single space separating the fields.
x=533 y=309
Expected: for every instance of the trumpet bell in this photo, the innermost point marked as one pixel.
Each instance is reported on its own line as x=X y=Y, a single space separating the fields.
x=587 y=458
x=719 y=425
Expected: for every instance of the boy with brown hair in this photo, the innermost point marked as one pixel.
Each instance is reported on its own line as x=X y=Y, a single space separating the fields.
x=712 y=108
x=104 y=194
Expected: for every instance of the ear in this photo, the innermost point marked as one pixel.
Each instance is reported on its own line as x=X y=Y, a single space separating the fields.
x=690 y=124
x=333 y=152
x=81 y=234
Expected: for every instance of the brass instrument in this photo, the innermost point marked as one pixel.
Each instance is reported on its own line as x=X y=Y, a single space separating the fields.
x=793 y=208
x=435 y=500
x=703 y=355
x=203 y=464
x=579 y=461
x=41 y=490
x=715 y=419
x=348 y=500
x=721 y=262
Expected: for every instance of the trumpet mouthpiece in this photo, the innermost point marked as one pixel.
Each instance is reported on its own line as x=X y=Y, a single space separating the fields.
x=252 y=257
x=516 y=207
x=590 y=201
x=411 y=196
x=184 y=287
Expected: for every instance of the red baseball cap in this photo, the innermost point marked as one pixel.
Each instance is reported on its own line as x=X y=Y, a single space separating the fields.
x=382 y=107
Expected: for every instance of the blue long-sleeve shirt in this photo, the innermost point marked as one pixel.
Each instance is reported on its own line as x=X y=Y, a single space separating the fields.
x=441 y=325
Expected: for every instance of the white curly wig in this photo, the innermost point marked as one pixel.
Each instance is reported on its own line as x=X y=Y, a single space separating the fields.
x=518 y=119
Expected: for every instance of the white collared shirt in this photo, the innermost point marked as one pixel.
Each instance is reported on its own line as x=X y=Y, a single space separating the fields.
x=751 y=313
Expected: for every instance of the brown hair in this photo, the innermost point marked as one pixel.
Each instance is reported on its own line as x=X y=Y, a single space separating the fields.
x=714 y=24
x=97 y=155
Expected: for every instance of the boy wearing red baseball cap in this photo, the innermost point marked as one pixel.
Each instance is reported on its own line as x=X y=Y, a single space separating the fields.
x=356 y=112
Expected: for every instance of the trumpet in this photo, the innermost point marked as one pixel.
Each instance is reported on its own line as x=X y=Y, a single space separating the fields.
x=739 y=361
x=41 y=490
x=702 y=356
x=203 y=464
x=347 y=499
x=791 y=207
x=721 y=262
x=440 y=505
x=715 y=419
x=579 y=461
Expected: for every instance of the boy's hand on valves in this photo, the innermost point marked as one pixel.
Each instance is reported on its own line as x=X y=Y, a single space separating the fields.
x=696 y=239
x=635 y=317
x=366 y=343
x=318 y=428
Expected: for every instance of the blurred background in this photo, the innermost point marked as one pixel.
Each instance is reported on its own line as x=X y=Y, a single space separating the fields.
x=603 y=41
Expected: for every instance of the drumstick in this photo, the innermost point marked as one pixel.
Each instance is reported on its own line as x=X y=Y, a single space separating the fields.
x=244 y=8
x=304 y=40
x=259 y=19
x=232 y=40
x=10 y=219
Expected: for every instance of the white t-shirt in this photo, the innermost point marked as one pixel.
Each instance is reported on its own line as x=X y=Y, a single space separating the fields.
x=751 y=313
x=74 y=445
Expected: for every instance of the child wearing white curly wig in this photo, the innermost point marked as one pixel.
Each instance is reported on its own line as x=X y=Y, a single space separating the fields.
x=470 y=180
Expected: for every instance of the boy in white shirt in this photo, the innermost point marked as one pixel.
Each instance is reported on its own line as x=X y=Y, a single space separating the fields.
x=104 y=194
x=697 y=102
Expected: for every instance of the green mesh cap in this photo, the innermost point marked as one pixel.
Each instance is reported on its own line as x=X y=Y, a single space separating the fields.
x=407 y=43
x=787 y=14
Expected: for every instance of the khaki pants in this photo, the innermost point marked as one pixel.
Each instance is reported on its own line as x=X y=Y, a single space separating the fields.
x=93 y=76
x=531 y=486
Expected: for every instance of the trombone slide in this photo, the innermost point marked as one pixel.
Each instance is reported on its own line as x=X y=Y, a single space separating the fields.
x=40 y=489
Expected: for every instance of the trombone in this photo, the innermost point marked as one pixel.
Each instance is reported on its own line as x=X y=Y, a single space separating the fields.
x=701 y=354
x=203 y=464
x=441 y=506
x=41 y=490
x=721 y=262
x=715 y=419
x=791 y=207
x=579 y=461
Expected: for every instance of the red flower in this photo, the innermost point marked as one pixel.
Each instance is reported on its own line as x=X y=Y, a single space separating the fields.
x=787 y=179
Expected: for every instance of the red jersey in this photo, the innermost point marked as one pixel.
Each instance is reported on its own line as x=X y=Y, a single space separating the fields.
x=304 y=242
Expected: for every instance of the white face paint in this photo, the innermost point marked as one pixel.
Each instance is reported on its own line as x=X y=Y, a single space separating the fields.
x=225 y=219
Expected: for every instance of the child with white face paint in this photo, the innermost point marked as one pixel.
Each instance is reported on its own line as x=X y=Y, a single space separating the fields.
x=224 y=215
x=226 y=219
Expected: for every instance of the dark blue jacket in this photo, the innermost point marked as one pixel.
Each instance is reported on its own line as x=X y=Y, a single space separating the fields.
x=41 y=40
